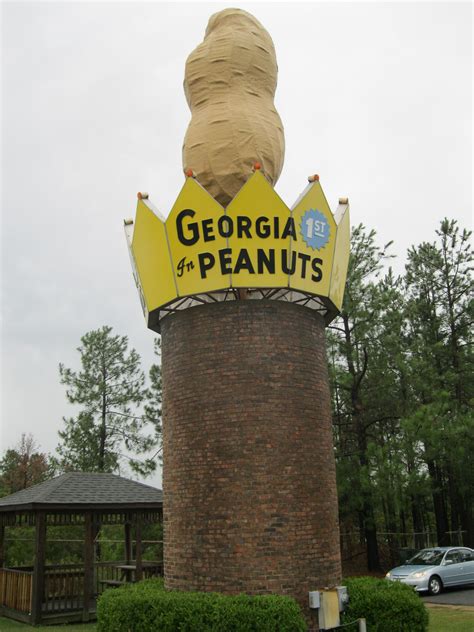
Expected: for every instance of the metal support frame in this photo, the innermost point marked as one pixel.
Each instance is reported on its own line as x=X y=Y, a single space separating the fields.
x=317 y=303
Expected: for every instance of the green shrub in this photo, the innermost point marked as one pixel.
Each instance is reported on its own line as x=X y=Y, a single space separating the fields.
x=387 y=606
x=148 y=607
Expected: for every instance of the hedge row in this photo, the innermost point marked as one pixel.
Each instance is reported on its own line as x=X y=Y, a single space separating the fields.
x=148 y=607
x=387 y=606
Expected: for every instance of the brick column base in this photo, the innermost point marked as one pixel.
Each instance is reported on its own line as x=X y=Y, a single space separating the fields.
x=250 y=502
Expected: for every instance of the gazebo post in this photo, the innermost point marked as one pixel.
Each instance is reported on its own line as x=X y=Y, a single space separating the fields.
x=2 y=546
x=138 y=548
x=128 y=543
x=97 y=546
x=88 y=563
x=38 y=567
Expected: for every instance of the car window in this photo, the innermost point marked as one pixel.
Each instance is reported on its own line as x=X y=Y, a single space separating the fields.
x=467 y=555
x=454 y=557
x=427 y=557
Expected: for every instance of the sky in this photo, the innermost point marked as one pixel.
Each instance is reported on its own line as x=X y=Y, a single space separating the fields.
x=374 y=97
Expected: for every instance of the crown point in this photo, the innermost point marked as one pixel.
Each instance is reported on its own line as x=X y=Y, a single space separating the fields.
x=313 y=178
x=189 y=173
x=257 y=166
x=142 y=196
x=343 y=200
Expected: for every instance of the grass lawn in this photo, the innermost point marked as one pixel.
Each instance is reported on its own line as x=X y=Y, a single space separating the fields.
x=450 y=619
x=8 y=625
x=441 y=620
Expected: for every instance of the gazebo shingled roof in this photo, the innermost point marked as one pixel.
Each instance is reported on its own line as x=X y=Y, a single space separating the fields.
x=83 y=488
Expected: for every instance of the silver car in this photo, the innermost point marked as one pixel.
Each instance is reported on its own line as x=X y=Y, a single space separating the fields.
x=434 y=569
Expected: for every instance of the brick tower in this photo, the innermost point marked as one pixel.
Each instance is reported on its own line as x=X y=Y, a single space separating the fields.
x=250 y=502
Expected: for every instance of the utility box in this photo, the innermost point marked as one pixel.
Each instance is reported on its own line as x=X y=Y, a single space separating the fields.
x=314 y=600
x=343 y=597
x=329 y=603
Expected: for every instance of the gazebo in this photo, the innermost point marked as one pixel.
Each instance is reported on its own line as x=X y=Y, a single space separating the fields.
x=68 y=592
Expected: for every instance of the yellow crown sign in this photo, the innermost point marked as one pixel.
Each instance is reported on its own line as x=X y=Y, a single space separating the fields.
x=256 y=247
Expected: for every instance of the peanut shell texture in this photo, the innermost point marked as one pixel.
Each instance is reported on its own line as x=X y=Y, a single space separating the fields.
x=230 y=82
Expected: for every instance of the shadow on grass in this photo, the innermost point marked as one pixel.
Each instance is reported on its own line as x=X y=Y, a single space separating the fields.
x=8 y=625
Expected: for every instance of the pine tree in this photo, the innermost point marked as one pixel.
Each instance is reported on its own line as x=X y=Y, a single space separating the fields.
x=154 y=396
x=109 y=429
x=351 y=339
x=439 y=287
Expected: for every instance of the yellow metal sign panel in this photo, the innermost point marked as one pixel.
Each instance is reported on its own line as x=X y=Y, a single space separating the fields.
x=152 y=257
x=313 y=248
x=260 y=239
x=341 y=259
x=329 y=616
x=257 y=242
x=195 y=228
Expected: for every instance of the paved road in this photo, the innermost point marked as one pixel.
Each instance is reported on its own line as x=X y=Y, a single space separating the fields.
x=454 y=596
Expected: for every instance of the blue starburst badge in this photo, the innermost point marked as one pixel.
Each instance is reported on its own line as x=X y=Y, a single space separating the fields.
x=315 y=229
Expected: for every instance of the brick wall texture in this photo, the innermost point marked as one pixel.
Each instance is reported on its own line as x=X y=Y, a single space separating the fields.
x=249 y=484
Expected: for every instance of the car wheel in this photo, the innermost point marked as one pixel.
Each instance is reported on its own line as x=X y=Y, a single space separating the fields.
x=435 y=585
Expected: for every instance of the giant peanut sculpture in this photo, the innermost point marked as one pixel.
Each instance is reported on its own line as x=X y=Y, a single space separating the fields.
x=230 y=83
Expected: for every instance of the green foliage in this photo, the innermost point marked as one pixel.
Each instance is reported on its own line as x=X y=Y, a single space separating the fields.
x=109 y=387
x=386 y=606
x=147 y=607
x=64 y=545
x=154 y=395
x=23 y=466
x=354 y=355
x=111 y=541
x=19 y=546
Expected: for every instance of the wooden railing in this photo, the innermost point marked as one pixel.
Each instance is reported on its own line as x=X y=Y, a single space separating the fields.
x=111 y=571
x=105 y=571
x=63 y=586
x=16 y=589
